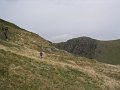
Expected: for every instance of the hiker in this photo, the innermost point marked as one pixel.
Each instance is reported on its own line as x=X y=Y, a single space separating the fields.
x=41 y=54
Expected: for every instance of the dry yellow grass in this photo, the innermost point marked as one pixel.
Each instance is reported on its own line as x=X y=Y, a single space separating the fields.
x=90 y=69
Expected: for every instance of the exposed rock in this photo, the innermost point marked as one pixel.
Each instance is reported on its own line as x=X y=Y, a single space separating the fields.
x=83 y=46
x=3 y=32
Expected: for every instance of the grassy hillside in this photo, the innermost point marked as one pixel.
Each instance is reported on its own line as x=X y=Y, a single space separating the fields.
x=26 y=71
x=25 y=39
x=109 y=51
x=22 y=69
x=104 y=51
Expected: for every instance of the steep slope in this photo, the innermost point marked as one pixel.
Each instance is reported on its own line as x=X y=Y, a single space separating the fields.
x=21 y=36
x=22 y=69
x=25 y=39
x=104 y=51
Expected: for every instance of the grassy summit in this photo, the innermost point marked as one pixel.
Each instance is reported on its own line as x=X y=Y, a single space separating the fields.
x=22 y=69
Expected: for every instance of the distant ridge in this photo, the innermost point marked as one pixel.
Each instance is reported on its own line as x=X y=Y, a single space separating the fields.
x=104 y=51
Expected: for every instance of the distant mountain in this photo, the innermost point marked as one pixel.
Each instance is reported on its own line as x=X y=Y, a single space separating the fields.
x=104 y=51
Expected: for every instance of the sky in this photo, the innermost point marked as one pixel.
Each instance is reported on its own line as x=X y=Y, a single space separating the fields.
x=60 y=20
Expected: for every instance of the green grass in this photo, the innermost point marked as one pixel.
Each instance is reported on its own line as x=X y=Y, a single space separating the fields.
x=110 y=52
x=20 y=36
x=6 y=23
x=22 y=73
x=8 y=44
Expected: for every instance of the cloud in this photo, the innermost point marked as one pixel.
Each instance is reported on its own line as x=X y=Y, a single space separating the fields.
x=66 y=18
x=60 y=38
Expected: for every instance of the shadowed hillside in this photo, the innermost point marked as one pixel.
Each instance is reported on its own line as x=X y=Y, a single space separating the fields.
x=21 y=67
x=108 y=51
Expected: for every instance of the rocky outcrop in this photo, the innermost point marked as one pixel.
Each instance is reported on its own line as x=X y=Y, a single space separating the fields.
x=3 y=32
x=83 y=46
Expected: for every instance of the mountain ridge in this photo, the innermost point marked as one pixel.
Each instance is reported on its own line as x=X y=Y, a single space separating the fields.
x=92 y=48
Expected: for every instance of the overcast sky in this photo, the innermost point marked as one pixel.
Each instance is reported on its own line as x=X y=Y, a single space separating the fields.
x=59 y=20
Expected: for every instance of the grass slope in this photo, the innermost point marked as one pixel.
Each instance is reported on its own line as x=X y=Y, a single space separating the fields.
x=110 y=51
x=22 y=69
x=23 y=37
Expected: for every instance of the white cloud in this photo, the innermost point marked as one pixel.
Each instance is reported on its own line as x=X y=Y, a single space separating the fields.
x=95 y=18
x=60 y=38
